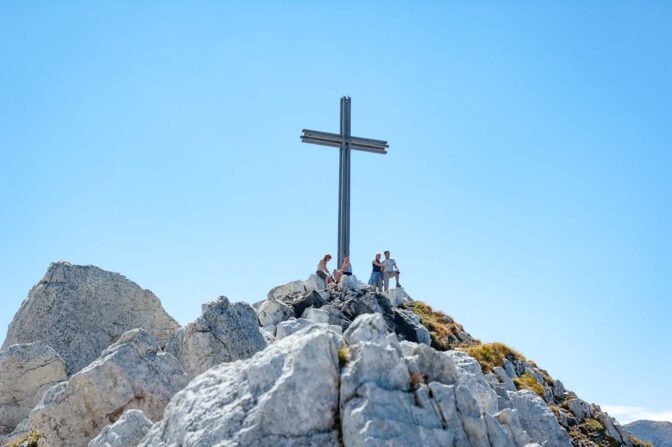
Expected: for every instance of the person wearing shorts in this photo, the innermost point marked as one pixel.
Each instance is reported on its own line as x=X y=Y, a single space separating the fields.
x=323 y=271
x=390 y=270
x=376 y=279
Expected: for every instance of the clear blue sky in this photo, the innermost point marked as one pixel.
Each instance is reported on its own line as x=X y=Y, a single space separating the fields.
x=527 y=190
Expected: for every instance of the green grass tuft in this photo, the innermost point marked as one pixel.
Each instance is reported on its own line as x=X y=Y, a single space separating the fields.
x=343 y=355
x=527 y=382
x=30 y=440
x=492 y=354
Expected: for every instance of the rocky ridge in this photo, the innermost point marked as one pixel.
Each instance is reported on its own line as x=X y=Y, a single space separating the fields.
x=658 y=433
x=307 y=366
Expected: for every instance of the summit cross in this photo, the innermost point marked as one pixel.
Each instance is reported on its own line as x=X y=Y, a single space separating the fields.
x=346 y=143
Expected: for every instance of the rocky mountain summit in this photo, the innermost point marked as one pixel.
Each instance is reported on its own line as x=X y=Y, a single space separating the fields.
x=81 y=310
x=658 y=433
x=307 y=366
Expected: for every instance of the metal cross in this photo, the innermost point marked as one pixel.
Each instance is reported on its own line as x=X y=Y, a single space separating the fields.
x=345 y=142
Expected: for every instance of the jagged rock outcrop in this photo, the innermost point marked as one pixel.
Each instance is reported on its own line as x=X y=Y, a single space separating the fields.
x=223 y=333
x=314 y=386
x=133 y=373
x=26 y=372
x=328 y=367
x=128 y=431
x=343 y=305
x=81 y=310
x=285 y=395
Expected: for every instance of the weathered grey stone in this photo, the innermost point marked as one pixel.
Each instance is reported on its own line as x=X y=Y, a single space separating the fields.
x=336 y=316
x=538 y=420
x=348 y=282
x=430 y=364
x=504 y=378
x=286 y=289
x=409 y=328
x=509 y=420
x=132 y=373
x=498 y=436
x=286 y=395
x=379 y=405
x=444 y=396
x=223 y=333
x=470 y=415
x=81 y=310
x=367 y=327
x=316 y=315
x=397 y=296
x=579 y=408
x=272 y=312
x=558 y=389
x=509 y=368
x=128 y=431
x=289 y=327
x=26 y=372
x=314 y=282
x=611 y=429
x=378 y=416
x=471 y=376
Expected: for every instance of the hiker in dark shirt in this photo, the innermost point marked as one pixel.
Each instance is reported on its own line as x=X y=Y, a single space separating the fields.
x=376 y=280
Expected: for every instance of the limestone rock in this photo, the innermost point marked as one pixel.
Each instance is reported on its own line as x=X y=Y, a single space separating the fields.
x=430 y=364
x=579 y=408
x=81 y=310
x=471 y=376
x=132 y=373
x=504 y=378
x=223 y=333
x=272 y=312
x=314 y=282
x=286 y=289
x=538 y=420
x=286 y=395
x=348 y=282
x=409 y=327
x=378 y=406
x=129 y=430
x=510 y=421
x=397 y=296
x=316 y=315
x=289 y=327
x=26 y=372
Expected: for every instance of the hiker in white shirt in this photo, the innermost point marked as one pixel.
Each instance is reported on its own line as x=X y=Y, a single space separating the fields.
x=390 y=270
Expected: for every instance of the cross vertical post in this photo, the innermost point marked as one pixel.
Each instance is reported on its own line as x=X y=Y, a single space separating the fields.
x=346 y=143
x=344 y=184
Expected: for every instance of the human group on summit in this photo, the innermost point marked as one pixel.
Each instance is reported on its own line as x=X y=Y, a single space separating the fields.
x=381 y=272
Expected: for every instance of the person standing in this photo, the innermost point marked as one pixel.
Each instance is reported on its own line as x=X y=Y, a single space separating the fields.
x=376 y=280
x=390 y=270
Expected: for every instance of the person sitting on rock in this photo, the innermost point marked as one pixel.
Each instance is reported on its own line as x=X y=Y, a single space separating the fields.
x=323 y=270
x=376 y=279
x=390 y=270
x=346 y=269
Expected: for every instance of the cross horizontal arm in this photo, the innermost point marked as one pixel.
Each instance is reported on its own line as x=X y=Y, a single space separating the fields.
x=334 y=140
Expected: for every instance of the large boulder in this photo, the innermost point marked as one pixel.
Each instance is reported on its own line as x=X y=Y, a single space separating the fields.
x=128 y=431
x=223 y=333
x=26 y=372
x=81 y=310
x=471 y=376
x=538 y=420
x=286 y=289
x=286 y=395
x=132 y=373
